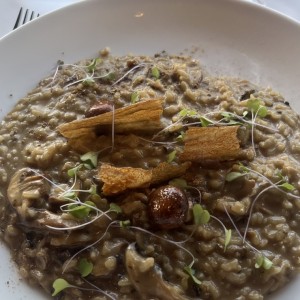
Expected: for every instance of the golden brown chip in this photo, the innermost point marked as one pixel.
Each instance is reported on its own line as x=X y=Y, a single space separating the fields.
x=95 y=143
x=211 y=143
x=143 y=116
x=118 y=180
x=165 y=171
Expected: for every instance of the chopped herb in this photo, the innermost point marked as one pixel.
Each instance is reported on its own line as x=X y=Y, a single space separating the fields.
x=155 y=73
x=191 y=273
x=59 y=285
x=201 y=216
x=171 y=156
x=85 y=267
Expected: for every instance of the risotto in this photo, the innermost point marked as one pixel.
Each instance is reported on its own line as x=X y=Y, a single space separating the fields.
x=139 y=177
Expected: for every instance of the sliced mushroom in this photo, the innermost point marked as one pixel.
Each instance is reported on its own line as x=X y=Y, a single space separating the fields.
x=147 y=279
x=28 y=194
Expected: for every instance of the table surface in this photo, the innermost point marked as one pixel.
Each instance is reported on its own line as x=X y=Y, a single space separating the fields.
x=9 y=9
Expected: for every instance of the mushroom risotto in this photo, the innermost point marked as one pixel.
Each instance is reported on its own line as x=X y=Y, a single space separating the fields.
x=141 y=177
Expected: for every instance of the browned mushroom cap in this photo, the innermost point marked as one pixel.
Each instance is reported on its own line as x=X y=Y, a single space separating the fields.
x=167 y=207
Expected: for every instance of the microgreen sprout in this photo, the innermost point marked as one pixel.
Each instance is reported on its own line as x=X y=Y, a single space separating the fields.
x=90 y=159
x=92 y=66
x=85 y=267
x=155 y=72
x=171 y=156
x=263 y=262
x=59 y=285
x=201 y=216
x=128 y=72
x=135 y=97
x=191 y=272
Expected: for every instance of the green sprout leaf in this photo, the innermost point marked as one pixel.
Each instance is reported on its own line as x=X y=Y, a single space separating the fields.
x=231 y=176
x=255 y=105
x=59 y=285
x=227 y=238
x=92 y=66
x=85 y=267
x=81 y=211
x=178 y=182
x=134 y=97
x=230 y=118
x=88 y=81
x=187 y=113
x=181 y=136
x=93 y=189
x=155 y=73
x=115 y=208
x=191 y=273
x=90 y=159
x=72 y=172
x=171 y=156
x=289 y=187
x=125 y=223
x=263 y=262
x=201 y=216
x=205 y=122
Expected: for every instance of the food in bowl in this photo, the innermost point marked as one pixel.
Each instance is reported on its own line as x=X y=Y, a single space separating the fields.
x=139 y=177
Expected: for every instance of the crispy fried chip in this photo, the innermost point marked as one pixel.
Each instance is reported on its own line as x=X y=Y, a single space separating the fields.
x=99 y=143
x=143 y=116
x=117 y=180
x=165 y=171
x=211 y=143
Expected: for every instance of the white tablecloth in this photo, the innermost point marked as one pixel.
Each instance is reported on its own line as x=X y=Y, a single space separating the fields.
x=9 y=9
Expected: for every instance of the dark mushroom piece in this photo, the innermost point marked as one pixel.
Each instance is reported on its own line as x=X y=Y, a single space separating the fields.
x=147 y=278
